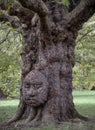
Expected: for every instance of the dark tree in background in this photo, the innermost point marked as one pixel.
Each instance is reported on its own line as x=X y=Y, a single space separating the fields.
x=49 y=31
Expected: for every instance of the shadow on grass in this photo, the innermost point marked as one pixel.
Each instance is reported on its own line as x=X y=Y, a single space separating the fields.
x=6 y=112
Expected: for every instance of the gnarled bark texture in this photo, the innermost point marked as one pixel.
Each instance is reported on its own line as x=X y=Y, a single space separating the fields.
x=48 y=58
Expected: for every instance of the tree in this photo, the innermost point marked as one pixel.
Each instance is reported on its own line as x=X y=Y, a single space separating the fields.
x=49 y=30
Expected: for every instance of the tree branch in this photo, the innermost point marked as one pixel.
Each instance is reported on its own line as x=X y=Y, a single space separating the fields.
x=5 y=38
x=39 y=7
x=80 y=14
x=84 y=35
x=14 y=20
x=17 y=15
x=22 y=13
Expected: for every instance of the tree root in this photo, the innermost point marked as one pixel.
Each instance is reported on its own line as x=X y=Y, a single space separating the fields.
x=18 y=115
x=33 y=120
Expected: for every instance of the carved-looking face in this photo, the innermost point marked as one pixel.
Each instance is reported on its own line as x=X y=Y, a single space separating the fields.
x=35 y=89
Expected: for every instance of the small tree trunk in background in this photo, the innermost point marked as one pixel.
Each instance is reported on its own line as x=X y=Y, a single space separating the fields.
x=2 y=94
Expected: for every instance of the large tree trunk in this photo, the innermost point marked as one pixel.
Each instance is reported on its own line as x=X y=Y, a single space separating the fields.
x=48 y=58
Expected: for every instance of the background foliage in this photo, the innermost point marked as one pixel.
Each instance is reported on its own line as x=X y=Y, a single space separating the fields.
x=84 y=70
x=10 y=62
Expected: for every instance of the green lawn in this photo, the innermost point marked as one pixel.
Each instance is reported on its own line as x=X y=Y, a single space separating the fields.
x=84 y=102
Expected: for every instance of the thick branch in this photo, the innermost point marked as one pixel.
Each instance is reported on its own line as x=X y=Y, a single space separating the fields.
x=16 y=15
x=39 y=7
x=81 y=13
x=15 y=22
x=22 y=13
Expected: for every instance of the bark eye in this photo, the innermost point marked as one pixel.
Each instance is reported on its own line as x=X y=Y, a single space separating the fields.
x=27 y=86
x=37 y=86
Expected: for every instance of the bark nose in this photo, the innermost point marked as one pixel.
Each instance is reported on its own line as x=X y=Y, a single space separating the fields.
x=31 y=93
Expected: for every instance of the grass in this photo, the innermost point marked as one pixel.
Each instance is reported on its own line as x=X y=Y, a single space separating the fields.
x=7 y=109
x=84 y=102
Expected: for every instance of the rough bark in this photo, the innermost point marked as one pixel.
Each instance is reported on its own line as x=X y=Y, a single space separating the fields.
x=48 y=58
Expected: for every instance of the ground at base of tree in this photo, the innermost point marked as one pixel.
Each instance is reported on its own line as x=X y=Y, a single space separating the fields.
x=85 y=104
x=73 y=125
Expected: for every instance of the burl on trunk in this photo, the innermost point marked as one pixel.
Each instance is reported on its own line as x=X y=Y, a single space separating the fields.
x=48 y=58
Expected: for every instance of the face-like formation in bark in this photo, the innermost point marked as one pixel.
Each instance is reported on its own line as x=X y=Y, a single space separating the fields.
x=35 y=89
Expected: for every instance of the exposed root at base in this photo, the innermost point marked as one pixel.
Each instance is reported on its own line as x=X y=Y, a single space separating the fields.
x=18 y=115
